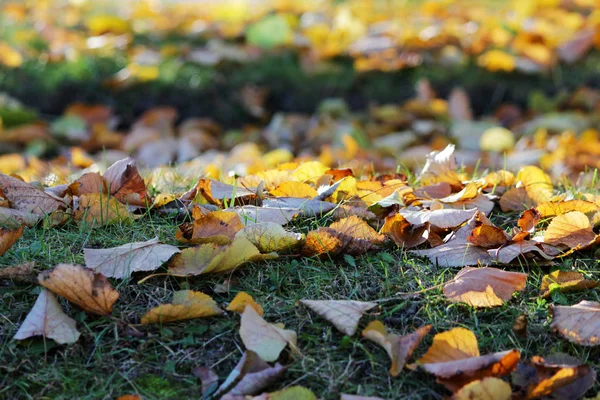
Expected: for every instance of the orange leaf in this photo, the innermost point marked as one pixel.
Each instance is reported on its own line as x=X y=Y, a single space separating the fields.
x=487 y=236
x=8 y=237
x=403 y=233
x=125 y=183
x=241 y=300
x=568 y=281
x=217 y=227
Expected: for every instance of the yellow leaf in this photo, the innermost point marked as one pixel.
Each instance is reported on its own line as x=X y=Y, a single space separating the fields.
x=99 y=209
x=309 y=171
x=187 y=304
x=485 y=389
x=568 y=281
x=241 y=300
x=572 y=229
x=294 y=189
x=537 y=183
x=270 y=237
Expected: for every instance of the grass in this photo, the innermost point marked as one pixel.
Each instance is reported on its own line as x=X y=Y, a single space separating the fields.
x=116 y=356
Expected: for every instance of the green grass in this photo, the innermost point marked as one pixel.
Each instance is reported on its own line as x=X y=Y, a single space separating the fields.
x=115 y=355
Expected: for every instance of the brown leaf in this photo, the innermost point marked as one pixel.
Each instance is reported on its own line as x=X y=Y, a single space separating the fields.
x=22 y=272
x=15 y=218
x=520 y=326
x=125 y=183
x=459 y=105
x=47 y=319
x=403 y=233
x=454 y=359
x=529 y=220
x=97 y=209
x=120 y=262
x=90 y=291
x=484 y=389
x=399 y=348
x=567 y=281
x=267 y=340
x=516 y=199
x=579 y=323
x=186 y=304
x=250 y=376
x=321 y=242
x=506 y=254
x=25 y=197
x=572 y=229
x=210 y=380
x=484 y=287
x=216 y=192
x=92 y=182
x=8 y=237
x=488 y=236
x=358 y=237
x=344 y=314
x=256 y=215
x=217 y=227
x=559 y=376
x=444 y=218
x=241 y=300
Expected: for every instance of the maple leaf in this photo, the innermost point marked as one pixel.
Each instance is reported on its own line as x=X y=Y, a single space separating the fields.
x=343 y=314
x=241 y=300
x=455 y=360
x=484 y=389
x=120 y=262
x=270 y=237
x=579 y=323
x=47 y=319
x=186 y=304
x=90 y=291
x=8 y=237
x=399 y=348
x=265 y=339
x=565 y=281
x=484 y=287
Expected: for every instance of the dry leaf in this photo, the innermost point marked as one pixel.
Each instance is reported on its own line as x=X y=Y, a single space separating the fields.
x=484 y=287
x=572 y=229
x=558 y=376
x=120 y=262
x=92 y=182
x=455 y=360
x=302 y=207
x=579 y=323
x=294 y=189
x=241 y=300
x=537 y=184
x=47 y=319
x=22 y=272
x=356 y=397
x=344 y=314
x=25 y=197
x=552 y=209
x=291 y=393
x=250 y=376
x=484 y=389
x=217 y=227
x=506 y=254
x=399 y=348
x=445 y=218
x=209 y=380
x=403 y=233
x=488 y=236
x=125 y=183
x=516 y=199
x=15 y=218
x=8 y=237
x=97 y=209
x=358 y=237
x=216 y=192
x=90 y=291
x=209 y=258
x=529 y=220
x=255 y=215
x=321 y=242
x=186 y=304
x=269 y=237
x=519 y=327
x=441 y=167
x=567 y=281
x=265 y=339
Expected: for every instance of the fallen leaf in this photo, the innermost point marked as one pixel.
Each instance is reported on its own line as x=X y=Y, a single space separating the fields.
x=14 y=218
x=97 y=209
x=125 y=183
x=343 y=314
x=269 y=237
x=444 y=218
x=484 y=389
x=89 y=290
x=22 y=272
x=572 y=229
x=516 y=199
x=217 y=227
x=241 y=300
x=506 y=254
x=519 y=327
x=216 y=192
x=455 y=360
x=558 y=376
x=120 y=262
x=552 y=209
x=25 y=197
x=291 y=393
x=294 y=189
x=529 y=220
x=209 y=380
x=459 y=105
x=8 y=237
x=565 y=281
x=441 y=167
x=399 y=348
x=579 y=323
x=265 y=339
x=357 y=236
x=302 y=207
x=211 y=258
x=322 y=241
x=47 y=319
x=403 y=233
x=91 y=182
x=537 y=184
x=250 y=376
x=484 y=287
x=255 y=215
x=488 y=236
x=357 y=397
x=187 y=304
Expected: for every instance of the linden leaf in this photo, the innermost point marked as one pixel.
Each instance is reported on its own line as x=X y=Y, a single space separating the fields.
x=120 y=262
x=25 y=197
x=47 y=319
x=90 y=291
x=265 y=339
x=209 y=258
x=214 y=227
x=343 y=314
x=558 y=376
x=455 y=360
x=250 y=376
x=485 y=389
x=125 y=183
x=572 y=229
x=399 y=348
x=484 y=287
x=567 y=281
x=186 y=304
x=241 y=300
x=98 y=209
x=8 y=237
x=269 y=237
x=403 y=233
x=579 y=323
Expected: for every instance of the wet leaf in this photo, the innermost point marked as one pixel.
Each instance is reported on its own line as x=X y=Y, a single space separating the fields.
x=90 y=291
x=265 y=339
x=187 y=304
x=343 y=314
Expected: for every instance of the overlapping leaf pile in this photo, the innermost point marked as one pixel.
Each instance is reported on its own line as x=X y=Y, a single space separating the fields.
x=442 y=216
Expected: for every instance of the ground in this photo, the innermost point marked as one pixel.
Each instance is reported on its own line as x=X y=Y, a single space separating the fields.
x=115 y=355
